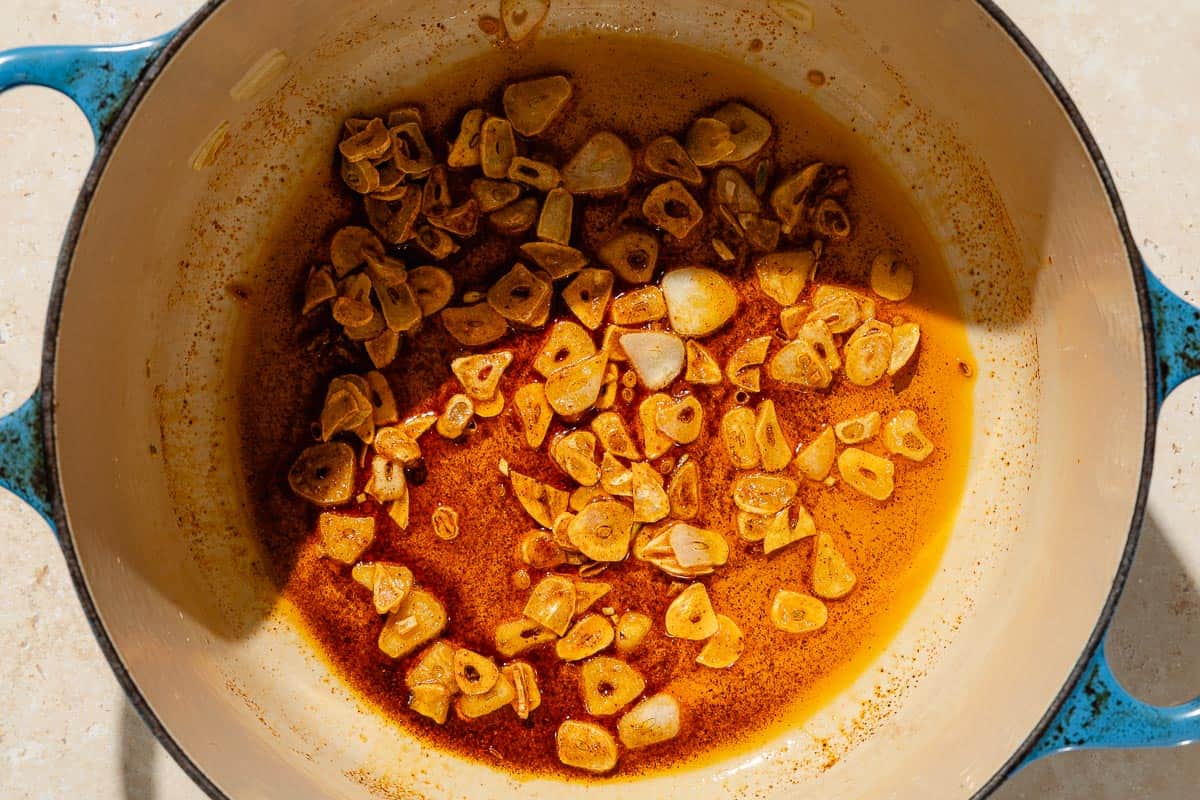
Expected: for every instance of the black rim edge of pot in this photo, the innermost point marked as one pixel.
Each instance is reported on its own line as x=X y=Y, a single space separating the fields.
x=62 y=270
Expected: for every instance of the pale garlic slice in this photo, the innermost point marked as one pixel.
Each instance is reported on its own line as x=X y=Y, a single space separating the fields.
x=613 y=436
x=522 y=17
x=474 y=326
x=671 y=207
x=588 y=296
x=795 y=612
x=903 y=436
x=868 y=473
x=775 y=453
x=683 y=490
x=650 y=501
x=531 y=106
x=699 y=300
x=474 y=674
x=681 y=421
x=708 y=142
x=799 y=364
x=744 y=367
x=608 y=685
x=586 y=746
x=541 y=501
x=665 y=156
x=520 y=635
x=534 y=412
x=480 y=374
x=832 y=577
x=815 y=460
x=782 y=276
x=760 y=527
x=575 y=455
x=652 y=721
x=657 y=357
x=574 y=389
x=868 y=353
x=551 y=604
x=456 y=416
x=502 y=693
x=557 y=217
x=345 y=537
x=779 y=537
x=763 y=494
x=324 y=474
x=655 y=443
x=632 y=629
x=817 y=334
x=591 y=634
x=738 y=434
x=602 y=166
x=748 y=130
x=702 y=368
x=891 y=279
x=632 y=255
x=905 y=338
x=602 y=530
x=690 y=615
x=527 y=697
x=724 y=648
x=419 y=619
x=858 y=429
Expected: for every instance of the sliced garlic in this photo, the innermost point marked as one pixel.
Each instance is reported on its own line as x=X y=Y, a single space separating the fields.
x=783 y=275
x=815 y=460
x=551 y=604
x=724 y=648
x=891 y=279
x=868 y=473
x=609 y=685
x=465 y=150
x=602 y=166
x=539 y=550
x=763 y=494
x=521 y=297
x=697 y=547
x=671 y=207
x=389 y=584
x=905 y=338
x=799 y=363
x=708 y=142
x=793 y=612
x=345 y=537
x=430 y=700
x=738 y=434
x=588 y=636
x=527 y=697
x=531 y=106
x=613 y=436
x=652 y=721
x=602 y=530
x=632 y=255
x=324 y=474
x=681 y=421
x=779 y=537
x=586 y=746
x=474 y=674
x=433 y=288
x=456 y=416
x=419 y=619
x=587 y=593
x=650 y=501
x=665 y=156
x=588 y=295
x=699 y=300
x=567 y=344
x=558 y=260
x=655 y=444
x=868 y=353
x=691 y=615
x=683 y=490
x=840 y=308
x=541 y=501
x=480 y=374
x=744 y=366
x=638 y=307
x=493 y=195
x=656 y=357
x=760 y=527
x=574 y=389
x=534 y=412
x=702 y=368
x=903 y=436
x=498 y=147
x=474 y=326
x=832 y=577
x=858 y=429
x=575 y=455
x=522 y=17
x=501 y=694
x=632 y=629
x=489 y=409
x=556 y=219
x=517 y=636
x=774 y=450
x=445 y=523
x=615 y=478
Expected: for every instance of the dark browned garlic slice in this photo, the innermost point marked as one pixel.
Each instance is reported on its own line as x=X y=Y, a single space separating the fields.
x=516 y=218
x=522 y=17
x=410 y=151
x=532 y=106
x=474 y=326
x=749 y=131
x=465 y=150
x=560 y=261
x=350 y=247
x=371 y=142
x=632 y=255
x=708 y=142
x=498 y=148
x=665 y=156
x=670 y=206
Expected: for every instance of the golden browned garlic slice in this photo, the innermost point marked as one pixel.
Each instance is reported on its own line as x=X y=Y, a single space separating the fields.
x=774 y=450
x=519 y=635
x=531 y=106
x=670 y=206
x=690 y=615
x=575 y=455
x=521 y=297
x=387 y=481
x=494 y=195
x=615 y=479
x=419 y=619
x=488 y=409
x=632 y=629
x=665 y=156
x=702 y=368
x=602 y=530
x=398 y=510
x=350 y=247
x=456 y=416
x=431 y=682
x=539 y=550
x=654 y=443
x=465 y=150
x=781 y=536
x=345 y=537
x=632 y=255
x=799 y=363
x=794 y=612
x=832 y=577
x=522 y=17
x=737 y=432
x=541 y=501
x=534 y=412
x=551 y=604
x=868 y=353
x=389 y=584
x=430 y=700
x=749 y=131
x=383 y=349
x=708 y=142
x=858 y=429
x=480 y=374
x=905 y=338
x=397 y=445
x=639 y=306
x=613 y=436
x=324 y=474
x=815 y=460
x=650 y=501
x=699 y=300
x=657 y=357
x=697 y=548
x=574 y=389
x=501 y=694
x=445 y=523
x=584 y=495
x=681 y=421
x=763 y=494
x=759 y=527
x=652 y=721
x=516 y=218
x=587 y=593
x=587 y=296
x=554 y=224
x=903 y=436
x=586 y=746
x=724 y=648
x=603 y=165
x=732 y=191
x=608 y=685
x=744 y=366
x=474 y=326
x=524 y=680
x=474 y=674
x=588 y=636
x=567 y=344
x=868 y=473
x=683 y=490
x=891 y=279
x=558 y=260
x=783 y=275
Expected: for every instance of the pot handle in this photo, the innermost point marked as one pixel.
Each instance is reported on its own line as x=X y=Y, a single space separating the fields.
x=1099 y=712
x=99 y=79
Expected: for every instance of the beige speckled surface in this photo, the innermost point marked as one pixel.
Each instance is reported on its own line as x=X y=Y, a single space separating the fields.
x=65 y=728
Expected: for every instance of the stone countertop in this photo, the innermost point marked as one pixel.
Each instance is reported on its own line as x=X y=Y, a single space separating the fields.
x=65 y=727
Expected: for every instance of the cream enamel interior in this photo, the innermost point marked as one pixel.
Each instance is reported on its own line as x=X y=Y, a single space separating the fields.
x=144 y=374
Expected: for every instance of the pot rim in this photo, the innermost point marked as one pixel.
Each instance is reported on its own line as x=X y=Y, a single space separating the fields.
x=62 y=271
